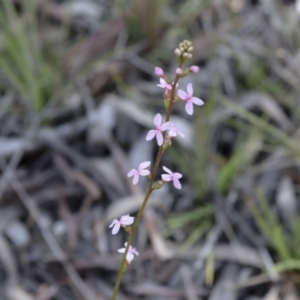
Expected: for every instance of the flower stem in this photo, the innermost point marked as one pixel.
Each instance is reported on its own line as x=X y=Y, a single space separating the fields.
x=147 y=195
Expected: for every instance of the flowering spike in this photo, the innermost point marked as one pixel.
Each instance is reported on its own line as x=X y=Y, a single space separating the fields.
x=172 y=177
x=189 y=99
x=139 y=172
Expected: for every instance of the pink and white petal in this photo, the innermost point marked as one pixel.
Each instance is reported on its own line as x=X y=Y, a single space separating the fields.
x=172 y=133
x=135 y=179
x=166 y=177
x=134 y=252
x=127 y=220
x=159 y=138
x=182 y=94
x=131 y=173
x=177 y=175
x=129 y=257
x=144 y=165
x=113 y=223
x=189 y=107
x=197 y=101
x=122 y=250
x=150 y=135
x=161 y=85
x=165 y=126
x=190 y=89
x=116 y=228
x=157 y=120
x=177 y=183
x=162 y=81
x=180 y=133
x=167 y=170
x=144 y=172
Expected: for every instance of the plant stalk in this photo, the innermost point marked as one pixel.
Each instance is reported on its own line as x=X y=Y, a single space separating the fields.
x=147 y=195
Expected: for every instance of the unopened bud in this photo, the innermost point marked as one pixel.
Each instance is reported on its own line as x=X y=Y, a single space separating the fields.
x=194 y=69
x=158 y=185
x=159 y=72
x=178 y=71
x=177 y=52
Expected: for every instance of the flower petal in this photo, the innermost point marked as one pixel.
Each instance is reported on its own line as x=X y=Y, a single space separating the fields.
x=134 y=252
x=144 y=172
x=116 y=228
x=166 y=177
x=182 y=95
x=189 y=107
x=180 y=133
x=122 y=250
x=190 y=89
x=150 y=135
x=131 y=172
x=129 y=257
x=167 y=170
x=135 y=179
x=113 y=223
x=172 y=133
x=144 y=165
x=159 y=138
x=176 y=183
x=177 y=175
x=165 y=126
x=127 y=220
x=197 y=101
x=157 y=120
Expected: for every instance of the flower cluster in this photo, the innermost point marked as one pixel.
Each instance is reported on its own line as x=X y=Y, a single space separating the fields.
x=164 y=131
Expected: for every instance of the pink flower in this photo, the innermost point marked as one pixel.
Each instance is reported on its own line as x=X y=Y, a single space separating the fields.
x=139 y=172
x=159 y=127
x=130 y=254
x=173 y=131
x=124 y=221
x=189 y=99
x=172 y=177
x=194 y=69
x=159 y=72
x=163 y=84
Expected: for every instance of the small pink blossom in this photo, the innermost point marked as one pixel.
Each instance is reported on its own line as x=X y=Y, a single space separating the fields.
x=139 y=172
x=130 y=254
x=173 y=131
x=189 y=99
x=178 y=71
x=124 y=221
x=159 y=127
x=194 y=69
x=159 y=72
x=172 y=177
x=163 y=84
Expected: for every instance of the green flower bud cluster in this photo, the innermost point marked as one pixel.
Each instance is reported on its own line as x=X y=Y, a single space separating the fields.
x=183 y=52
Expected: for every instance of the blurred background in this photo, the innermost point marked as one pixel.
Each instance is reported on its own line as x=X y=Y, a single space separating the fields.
x=77 y=96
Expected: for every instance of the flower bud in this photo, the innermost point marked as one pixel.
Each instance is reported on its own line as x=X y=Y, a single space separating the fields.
x=158 y=185
x=159 y=72
x=178 y=71
x=194 y=69
x=177 y=52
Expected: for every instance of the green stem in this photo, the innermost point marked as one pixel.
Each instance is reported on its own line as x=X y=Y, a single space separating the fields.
x=147 y=195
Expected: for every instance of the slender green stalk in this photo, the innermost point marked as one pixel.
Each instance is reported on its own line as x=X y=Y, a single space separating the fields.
x=147 y=195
